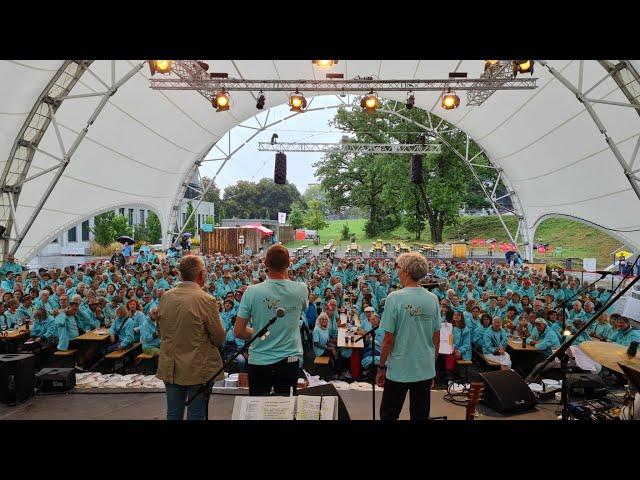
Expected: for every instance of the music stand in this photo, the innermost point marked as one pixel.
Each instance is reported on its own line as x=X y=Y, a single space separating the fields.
x=327 y=390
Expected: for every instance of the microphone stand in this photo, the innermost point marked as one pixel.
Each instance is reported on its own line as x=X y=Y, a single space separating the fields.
x=205 y=389
x=373 y=364
x=561 y=353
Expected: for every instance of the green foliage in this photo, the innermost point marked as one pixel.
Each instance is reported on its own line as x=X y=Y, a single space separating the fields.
x=297 y=217
x=121 y=226
x=315 y=216
x=141 y=233
x=259 y=200
x=155 y=229
x=344 y=233
x=103 y=230
x=209 y=219
x=191 y=223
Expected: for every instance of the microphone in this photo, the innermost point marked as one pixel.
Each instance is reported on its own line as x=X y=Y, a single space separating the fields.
x=279 y=314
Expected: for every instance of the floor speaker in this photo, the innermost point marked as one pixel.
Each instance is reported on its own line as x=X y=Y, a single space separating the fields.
x=17 y=377
x=505 y=391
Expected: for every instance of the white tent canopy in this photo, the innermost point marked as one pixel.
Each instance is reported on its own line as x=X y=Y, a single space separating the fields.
x=142 y=145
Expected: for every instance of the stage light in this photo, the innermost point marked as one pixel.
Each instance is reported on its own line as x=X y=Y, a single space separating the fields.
x=370 y=102
x=411 y=101
x=274 y=138
x=221 y=101
x=297 y=102
x=566 y=332
x=490 y=63
x=324 y=63
x=203 y=65
x=522 y=66
x=260 y=101
x=160 y=66
x=450 y=100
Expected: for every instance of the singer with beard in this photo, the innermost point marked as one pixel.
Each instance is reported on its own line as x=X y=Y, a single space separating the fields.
x=274 y=360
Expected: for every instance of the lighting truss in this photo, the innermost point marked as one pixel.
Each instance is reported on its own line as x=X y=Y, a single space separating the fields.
x=193 y=77
x=495 y=77
x=391 y=148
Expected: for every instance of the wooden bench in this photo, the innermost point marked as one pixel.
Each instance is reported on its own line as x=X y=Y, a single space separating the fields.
x=321 y=360
x=122 y=355
x=65 y=353
x=144 y=356
x=149 y=363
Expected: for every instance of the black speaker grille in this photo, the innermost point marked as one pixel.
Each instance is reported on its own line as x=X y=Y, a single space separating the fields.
x=280 y=170
x=417 y=175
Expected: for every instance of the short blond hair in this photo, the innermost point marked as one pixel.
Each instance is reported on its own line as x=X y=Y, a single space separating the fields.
x=189 y=267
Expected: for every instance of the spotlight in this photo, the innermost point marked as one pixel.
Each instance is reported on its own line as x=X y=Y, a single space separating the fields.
x=411 y=101
x=566 y=332
x=522 y=66
x=260 y=101
x=450 y=100
x=221 y=101
x=160 y=66
x=203 y=65
x=370 y=102
x=297 y=102
x=490 y=63
x=324 y=63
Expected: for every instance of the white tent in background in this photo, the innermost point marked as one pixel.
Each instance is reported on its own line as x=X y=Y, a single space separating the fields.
x=126 y=144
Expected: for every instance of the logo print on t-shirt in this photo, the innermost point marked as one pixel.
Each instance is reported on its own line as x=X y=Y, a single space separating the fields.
x=271 y=303
x=415 y=312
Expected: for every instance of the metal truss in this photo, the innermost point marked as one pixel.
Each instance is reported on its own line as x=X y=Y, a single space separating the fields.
x=212 y=85
x=14 y=175
x=496 y=76
x=628 y=80
x=392 y=148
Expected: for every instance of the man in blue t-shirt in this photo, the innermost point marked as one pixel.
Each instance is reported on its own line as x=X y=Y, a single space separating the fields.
x=411 y=322
x=274 y=361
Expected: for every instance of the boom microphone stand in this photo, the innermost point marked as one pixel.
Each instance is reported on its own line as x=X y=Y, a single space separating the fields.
x=373 y=364
x=206 y=388
x=561 y=353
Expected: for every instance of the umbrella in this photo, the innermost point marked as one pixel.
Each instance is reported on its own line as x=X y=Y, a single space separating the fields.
x=624 y=254
x=125 y=238
x=186 y=234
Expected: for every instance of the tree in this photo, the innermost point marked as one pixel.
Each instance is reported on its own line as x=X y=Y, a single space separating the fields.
x=297 y=215
x=155 y=229
x=191 y=222
x=263 y=199
x=121 y=226
x=213 y=195
x=316 y=192
x=315 y=216
x=102 y=230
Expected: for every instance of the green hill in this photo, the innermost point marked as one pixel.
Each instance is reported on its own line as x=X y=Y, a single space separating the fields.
x=575 y=238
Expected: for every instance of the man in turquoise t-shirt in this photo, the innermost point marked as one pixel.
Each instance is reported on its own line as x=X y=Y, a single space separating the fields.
x=411 y=322
x=273 y=362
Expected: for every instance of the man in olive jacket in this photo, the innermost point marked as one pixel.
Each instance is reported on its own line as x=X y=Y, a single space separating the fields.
x=190 y=330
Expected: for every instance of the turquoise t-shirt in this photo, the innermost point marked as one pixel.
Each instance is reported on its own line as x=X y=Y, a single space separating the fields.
x=259 y=303
x=412 y=314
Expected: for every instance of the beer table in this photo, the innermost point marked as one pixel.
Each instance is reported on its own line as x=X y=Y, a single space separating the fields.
x=11 y=337
x=516 y=344
x=97 y=335
x=356 y=347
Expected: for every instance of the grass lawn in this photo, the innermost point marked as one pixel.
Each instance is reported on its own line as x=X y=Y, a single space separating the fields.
x=576 y=239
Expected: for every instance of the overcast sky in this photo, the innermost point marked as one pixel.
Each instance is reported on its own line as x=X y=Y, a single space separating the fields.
x=250 y=164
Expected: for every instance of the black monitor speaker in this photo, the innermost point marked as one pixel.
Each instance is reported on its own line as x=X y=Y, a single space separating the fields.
x=505 y=391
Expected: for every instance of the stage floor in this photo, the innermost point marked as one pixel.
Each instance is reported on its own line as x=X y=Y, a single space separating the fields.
x=151 y=406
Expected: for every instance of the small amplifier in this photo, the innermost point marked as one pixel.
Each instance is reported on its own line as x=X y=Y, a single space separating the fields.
x=56 y=379
x=586 y=385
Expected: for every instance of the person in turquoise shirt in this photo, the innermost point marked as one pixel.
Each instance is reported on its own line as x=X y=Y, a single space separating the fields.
x=495 y=342
x=8 y=283
x=322 y=345
x=584 y=336
x=44 y=329
x=461 y=338
x=575 y=313
x=501 y=310
x=558 y=293
x=625 y=334
x=477 y=337
x=460 y=290
x=367 y=360
x=67 y=326
x=84 y=317
x=273 y=362
x=10 y=266
x=601 y=329
x=27 y=310
x=122 y=334
x=440 y=291
x=149 y=334
x=142 y=257
x=11 y=314
x=411 y=322
x=544 y=339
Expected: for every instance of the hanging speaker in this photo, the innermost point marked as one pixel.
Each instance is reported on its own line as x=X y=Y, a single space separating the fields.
x=280 y=170
x=417 y=175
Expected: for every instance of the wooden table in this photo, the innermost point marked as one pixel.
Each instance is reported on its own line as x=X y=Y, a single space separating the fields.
x=517 y=346
x=355 y=347
x=11 y=337
x=98 y=335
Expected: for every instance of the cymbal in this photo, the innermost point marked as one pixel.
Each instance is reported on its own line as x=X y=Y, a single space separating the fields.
x=609 y=354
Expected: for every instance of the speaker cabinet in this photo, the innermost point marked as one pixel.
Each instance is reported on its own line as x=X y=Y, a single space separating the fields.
x=280 y=170
x=17 y=377
x=505 y=391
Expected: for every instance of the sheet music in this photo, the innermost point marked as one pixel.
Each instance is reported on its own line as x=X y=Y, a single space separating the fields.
x=329 y=410
x=264 y=408
x=446 y=339
x=308 y=407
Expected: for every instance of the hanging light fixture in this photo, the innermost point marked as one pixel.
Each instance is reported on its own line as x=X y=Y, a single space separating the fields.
x=522 y=66
x=221 y=101
x=411 y=101
x=324 y=63
x=297 y=102
x=490 y=63
x=260 y=101
x=370 y=102
x=450 y=100
x=160 y=66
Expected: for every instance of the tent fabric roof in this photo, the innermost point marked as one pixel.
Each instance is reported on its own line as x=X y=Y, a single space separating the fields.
x=142 y=147
x=264 y=230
